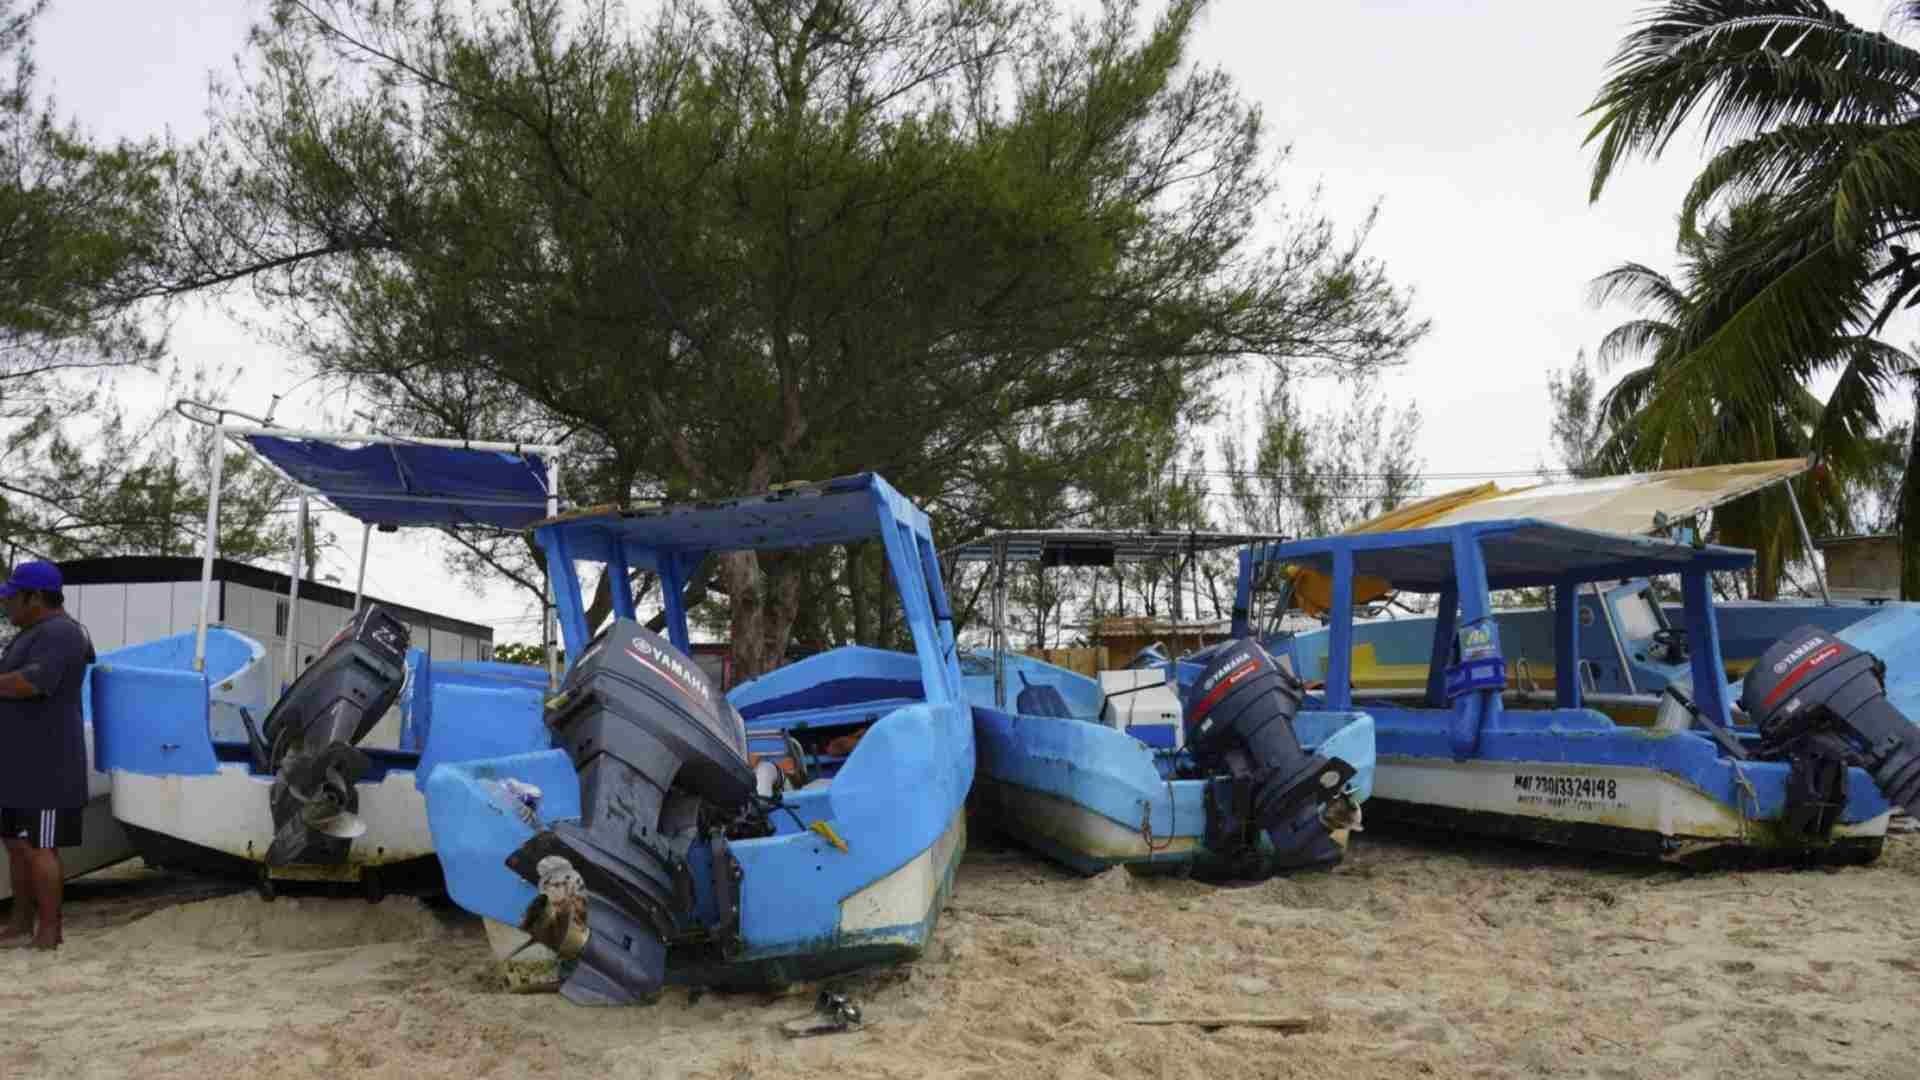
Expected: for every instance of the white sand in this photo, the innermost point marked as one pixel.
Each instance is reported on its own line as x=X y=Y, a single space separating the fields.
x=1425 y=960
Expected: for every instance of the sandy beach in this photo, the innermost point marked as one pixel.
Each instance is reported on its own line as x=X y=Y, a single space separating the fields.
x=1417 y=958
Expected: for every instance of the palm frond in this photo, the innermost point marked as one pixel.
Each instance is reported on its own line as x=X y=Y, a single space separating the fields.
x=1851 y=416
x=1624 y=448
x=1769 y=164
x=1745 y=66
x=1640 y=339
x=1641 y=286
x=1772 y=336
x=1879 y=183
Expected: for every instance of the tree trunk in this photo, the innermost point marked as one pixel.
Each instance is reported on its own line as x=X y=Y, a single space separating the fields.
x=764 y=595
x=747 y=604
x=785 y=579
x=857 y=594
x=1767 y=559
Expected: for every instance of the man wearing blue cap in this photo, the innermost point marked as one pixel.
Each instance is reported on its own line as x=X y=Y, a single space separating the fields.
x=43 y=769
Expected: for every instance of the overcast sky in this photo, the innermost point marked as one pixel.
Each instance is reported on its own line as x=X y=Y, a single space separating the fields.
x=1462 y=119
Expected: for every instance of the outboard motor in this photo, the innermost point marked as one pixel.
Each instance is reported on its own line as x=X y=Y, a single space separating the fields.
x=1239 y=729
x=664 y=778
x=1823 y=704
x=310 y=736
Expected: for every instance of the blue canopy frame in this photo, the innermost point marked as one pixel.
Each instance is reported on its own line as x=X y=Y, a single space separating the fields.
x=1464 y=563
x=672 y=540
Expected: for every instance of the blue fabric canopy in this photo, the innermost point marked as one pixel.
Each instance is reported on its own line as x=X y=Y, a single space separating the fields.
x=406 y=485
x=838 y=511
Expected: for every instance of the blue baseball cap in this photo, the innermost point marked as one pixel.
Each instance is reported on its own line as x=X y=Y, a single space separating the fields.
x=33 y=576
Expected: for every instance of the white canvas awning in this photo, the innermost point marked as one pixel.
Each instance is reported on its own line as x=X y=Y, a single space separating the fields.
x=1633 y=504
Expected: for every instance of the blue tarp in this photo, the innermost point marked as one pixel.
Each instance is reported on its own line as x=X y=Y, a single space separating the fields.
x=403 y=485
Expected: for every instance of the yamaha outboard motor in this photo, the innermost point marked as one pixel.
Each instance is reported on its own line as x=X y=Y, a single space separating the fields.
x=310 y=735
x=1239 y=729
x=664 y=777
x=1822 y=703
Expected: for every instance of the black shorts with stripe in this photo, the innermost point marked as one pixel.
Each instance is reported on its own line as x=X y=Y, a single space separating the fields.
x=43 y=828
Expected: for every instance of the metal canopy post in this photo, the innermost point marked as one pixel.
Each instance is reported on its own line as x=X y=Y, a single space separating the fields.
x=999 y=572
x=1813 y=557
x=1566 y=645
x=547 y=623
x=1193 y=573
x=290 y=669
x=207 y=545
x=360 y=583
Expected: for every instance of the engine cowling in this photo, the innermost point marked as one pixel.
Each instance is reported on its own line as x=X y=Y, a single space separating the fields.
x=310 y=737
x=1813 y=694
x=663 y=767
x=1239 y=730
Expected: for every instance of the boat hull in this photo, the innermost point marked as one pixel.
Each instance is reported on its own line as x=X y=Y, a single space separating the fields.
x=808 y=908
x=1091 y=797
x=1637 y=812
x=191 y=799
x=220 y=823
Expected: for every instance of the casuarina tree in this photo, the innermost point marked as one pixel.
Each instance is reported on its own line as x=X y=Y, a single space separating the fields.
x=971 y=244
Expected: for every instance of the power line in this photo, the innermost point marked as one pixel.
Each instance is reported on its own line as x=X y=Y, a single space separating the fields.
x=1491 y=474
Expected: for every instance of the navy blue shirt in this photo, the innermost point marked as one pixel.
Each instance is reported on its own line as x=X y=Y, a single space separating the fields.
x=43 y=745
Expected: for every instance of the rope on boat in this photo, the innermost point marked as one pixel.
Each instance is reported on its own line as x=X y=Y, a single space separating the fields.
x=1740 y=780
x=1146 y=822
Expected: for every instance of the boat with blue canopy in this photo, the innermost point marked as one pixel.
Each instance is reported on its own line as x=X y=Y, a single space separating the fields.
x=804 y=825
x=1808 y=766
x=1637 y=641
x=215 y=768
x=1108 y=771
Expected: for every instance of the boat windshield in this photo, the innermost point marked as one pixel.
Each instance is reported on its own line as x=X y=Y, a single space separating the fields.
x=1639 y=617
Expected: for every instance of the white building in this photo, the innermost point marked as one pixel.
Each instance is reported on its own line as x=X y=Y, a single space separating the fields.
x=127 y=599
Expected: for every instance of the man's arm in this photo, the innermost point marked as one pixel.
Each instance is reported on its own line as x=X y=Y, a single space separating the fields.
x=53 y=651
x=14 y=686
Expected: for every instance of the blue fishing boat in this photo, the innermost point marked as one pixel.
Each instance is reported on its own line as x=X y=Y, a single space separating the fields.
x=1799 y=775
x=1635 y=641
x=215 y=767
x=1122 y=771
x=807 y=824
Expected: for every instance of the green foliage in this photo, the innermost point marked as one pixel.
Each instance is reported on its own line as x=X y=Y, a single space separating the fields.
x=109 y=482
x=76 y=223
x=81 y=475
x=1681 y=409
x=1301 y=474
x=1575 y=428
x=1908 y=519
x=988 y=252
x=517 y=653
x=1814 y=132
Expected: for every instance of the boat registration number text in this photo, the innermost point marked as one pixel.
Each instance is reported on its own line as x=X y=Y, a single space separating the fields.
x=1546 y=789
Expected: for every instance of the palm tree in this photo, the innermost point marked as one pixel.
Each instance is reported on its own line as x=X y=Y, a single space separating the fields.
x=1668 y=414
x=1815 y=124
